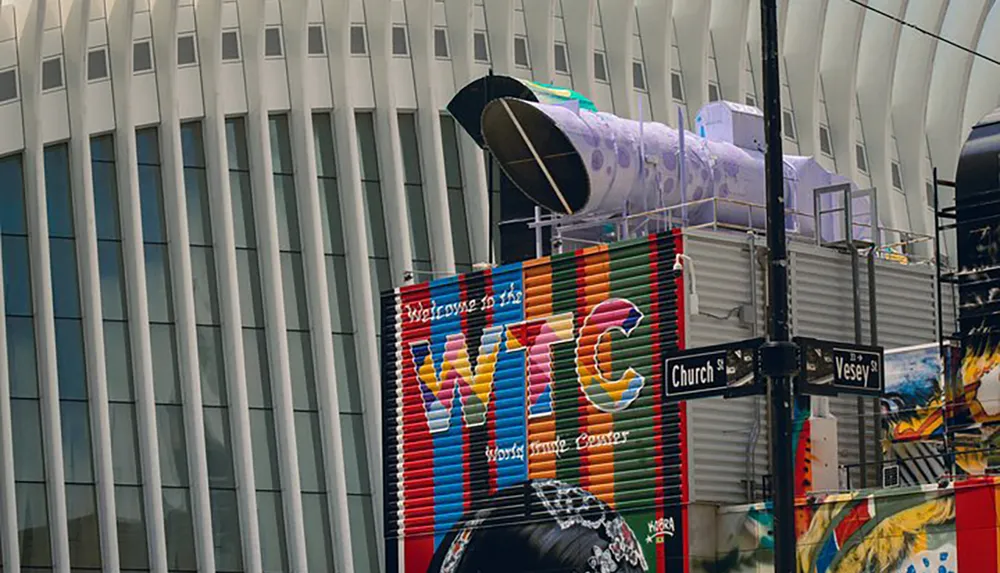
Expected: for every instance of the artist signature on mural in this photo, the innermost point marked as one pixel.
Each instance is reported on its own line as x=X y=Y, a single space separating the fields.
x=659 y=529
x=420 y=313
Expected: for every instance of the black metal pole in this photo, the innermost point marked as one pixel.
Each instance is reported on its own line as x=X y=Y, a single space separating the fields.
x=490 y=192
x=779 y=357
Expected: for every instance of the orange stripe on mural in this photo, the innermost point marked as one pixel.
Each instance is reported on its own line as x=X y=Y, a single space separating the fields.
x=538 y=303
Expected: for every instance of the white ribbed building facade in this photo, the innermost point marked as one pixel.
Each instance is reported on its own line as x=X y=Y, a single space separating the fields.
x=201 y=199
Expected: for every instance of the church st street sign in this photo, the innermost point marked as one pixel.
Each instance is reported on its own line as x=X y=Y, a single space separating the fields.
x=724 y=370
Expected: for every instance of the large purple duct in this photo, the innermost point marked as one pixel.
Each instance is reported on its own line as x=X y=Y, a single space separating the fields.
x=579 y=163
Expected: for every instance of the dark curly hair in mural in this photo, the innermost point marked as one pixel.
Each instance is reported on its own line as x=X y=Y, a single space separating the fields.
x=540 y=526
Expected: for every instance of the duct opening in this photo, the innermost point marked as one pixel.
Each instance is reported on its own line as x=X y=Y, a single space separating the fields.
x=468 y=104
x=536 y=155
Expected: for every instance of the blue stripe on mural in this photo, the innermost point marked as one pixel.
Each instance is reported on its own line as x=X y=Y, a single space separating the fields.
x=446 y=492
x=509 y=390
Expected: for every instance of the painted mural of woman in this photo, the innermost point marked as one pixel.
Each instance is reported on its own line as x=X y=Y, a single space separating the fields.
x=552 y=527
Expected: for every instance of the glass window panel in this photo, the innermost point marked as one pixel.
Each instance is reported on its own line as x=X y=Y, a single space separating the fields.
x=273 y=552
x=52 y=76
x=272 y=42
x=187 y=53
x=198 y=208
x=281 y=147
x=257 y=375
x=111 y=269
x=243 y=217
x=346 y=364
x=480 y=47
x=381 y=278
x=173 y=448
x=230 y=45
x=309 y=442
x=359 y=46
x=452 y=157
x=211 y=366
x=265 y=450
x=102 y=148
x=70 y=361
x=315 y=40
x=57 y=194
x=288 y=222
x=361 y=514
x=124 y=444
x=206 y=290
x=319 y=542
x=142 y=56
x=16 y=275
x=77 y=460
x=340 y=297
x=166 y=384
x=294 y=290
x=459 y=227
x=418 y=223
x=440 y=43
x=236 y=143
x=12 y=216
x=131 y=527
x=65 y=281
x=300 y=363
x=29 y=463
x=179 y=530
x=410 y=148
x=192 y=146
x=399 y=43
x=326 y=157
x=158 y=292
x=147 y=146
x=82 y=519
x=367 y=146
x=521 y=52
x=21 y=357
x=251 y=302
x=151 y=202
x=105 y=195
x=219 y=448
x=353 y=428
x=226 y=531
x=333 y=232
x=377 y=241
x=561 y=58
x=118 y=361
x=33 y=525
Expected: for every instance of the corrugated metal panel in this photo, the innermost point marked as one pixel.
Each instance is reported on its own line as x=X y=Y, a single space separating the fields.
x=821 y=300
x=720 y=430
x=548 y=369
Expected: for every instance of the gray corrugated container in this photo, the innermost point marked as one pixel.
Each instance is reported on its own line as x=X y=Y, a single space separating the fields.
x=719 y=430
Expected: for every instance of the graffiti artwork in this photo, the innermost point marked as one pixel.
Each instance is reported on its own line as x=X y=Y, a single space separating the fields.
x=914 y=530
x=517 y=396
x=913 y=402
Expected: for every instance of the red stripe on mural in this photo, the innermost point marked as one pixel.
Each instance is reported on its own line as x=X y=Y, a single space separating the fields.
x=975 y=526
x=858 y=516
x=418 y=549
x=681 y=343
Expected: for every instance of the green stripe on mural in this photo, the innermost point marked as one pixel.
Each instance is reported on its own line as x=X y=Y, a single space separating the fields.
x=565 y=392
x=635 y=475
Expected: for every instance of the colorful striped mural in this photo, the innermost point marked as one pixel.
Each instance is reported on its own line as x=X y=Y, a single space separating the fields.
x=544 y=370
